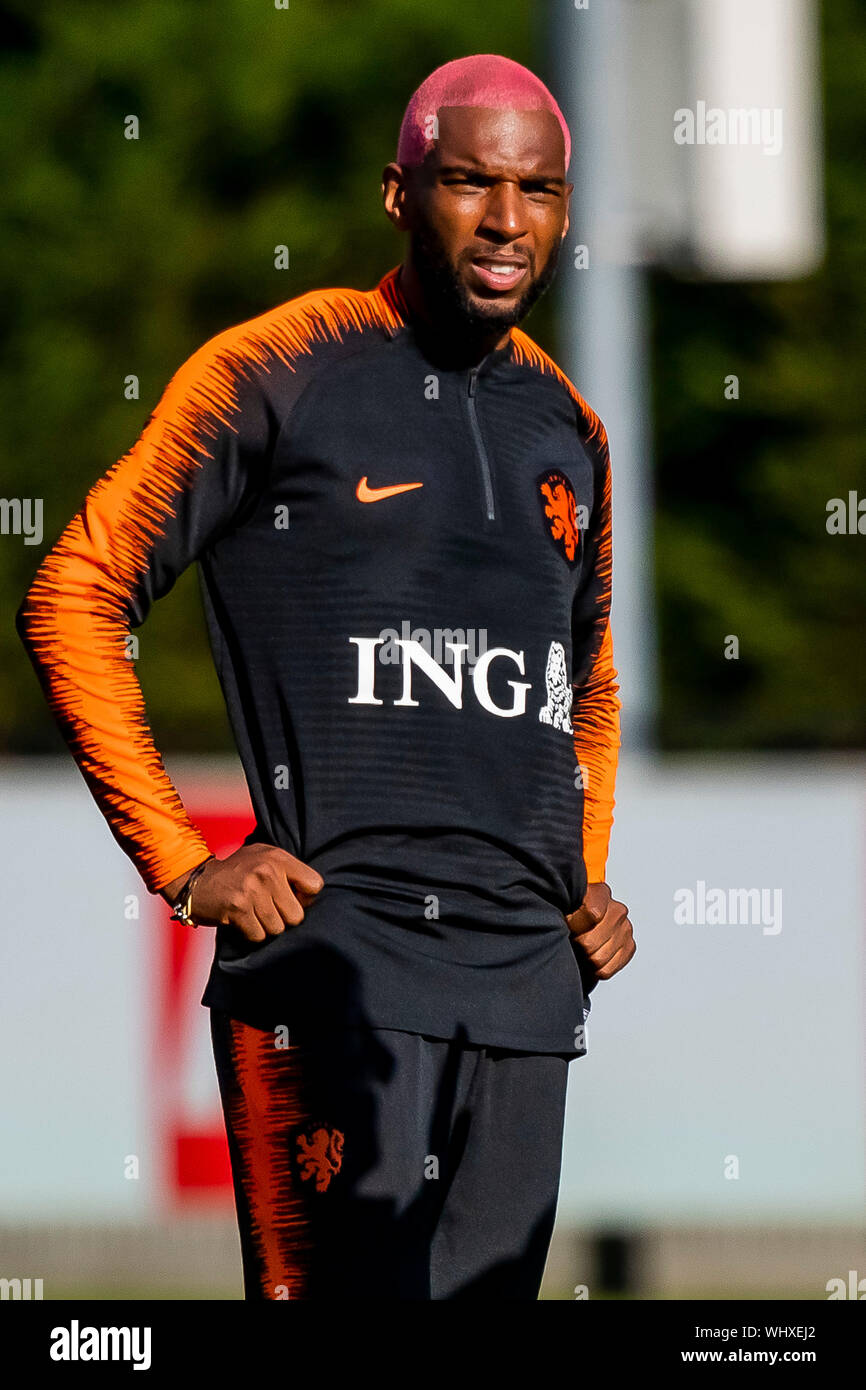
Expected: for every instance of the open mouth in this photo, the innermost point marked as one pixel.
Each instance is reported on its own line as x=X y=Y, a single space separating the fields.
x=499 y=272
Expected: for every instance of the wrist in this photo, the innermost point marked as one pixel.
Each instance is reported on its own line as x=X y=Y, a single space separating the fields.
x=181 y=899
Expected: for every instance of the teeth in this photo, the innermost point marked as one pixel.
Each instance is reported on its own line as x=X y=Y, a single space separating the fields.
x=502 y=269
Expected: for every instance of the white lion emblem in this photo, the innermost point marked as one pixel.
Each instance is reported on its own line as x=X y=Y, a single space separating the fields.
x=557 y=711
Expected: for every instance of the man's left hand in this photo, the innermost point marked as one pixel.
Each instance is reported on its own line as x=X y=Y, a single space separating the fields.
x=602 y=930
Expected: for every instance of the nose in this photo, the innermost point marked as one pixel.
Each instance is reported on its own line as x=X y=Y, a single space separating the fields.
x=503 y=213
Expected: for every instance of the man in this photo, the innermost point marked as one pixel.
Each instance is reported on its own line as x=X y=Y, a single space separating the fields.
x=400 y=507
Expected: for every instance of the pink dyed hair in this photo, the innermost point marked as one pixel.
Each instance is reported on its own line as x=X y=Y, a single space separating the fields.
x=484 y=79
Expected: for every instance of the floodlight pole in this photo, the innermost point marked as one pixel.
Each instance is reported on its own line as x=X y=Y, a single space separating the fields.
x=603 y=321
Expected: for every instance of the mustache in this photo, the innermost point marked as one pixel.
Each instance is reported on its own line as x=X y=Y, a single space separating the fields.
x=444 y=287
x=503 y=254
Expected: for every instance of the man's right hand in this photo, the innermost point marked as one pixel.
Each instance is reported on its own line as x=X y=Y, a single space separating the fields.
x=259 y=889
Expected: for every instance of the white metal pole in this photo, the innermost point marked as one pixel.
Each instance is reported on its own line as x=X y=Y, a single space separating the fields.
x=603 y=321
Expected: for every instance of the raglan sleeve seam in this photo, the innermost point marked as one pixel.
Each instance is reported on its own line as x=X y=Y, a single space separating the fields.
x=595 y=704
x=150 y=516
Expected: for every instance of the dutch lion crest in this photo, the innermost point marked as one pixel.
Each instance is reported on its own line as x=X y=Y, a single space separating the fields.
x=319 y=1154
x=563 y=517
x=557 y=711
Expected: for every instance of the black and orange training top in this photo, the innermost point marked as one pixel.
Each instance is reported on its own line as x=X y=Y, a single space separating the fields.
x=406 y=572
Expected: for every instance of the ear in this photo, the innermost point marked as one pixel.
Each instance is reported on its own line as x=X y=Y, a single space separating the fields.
x=396 y=196
x=568 y=192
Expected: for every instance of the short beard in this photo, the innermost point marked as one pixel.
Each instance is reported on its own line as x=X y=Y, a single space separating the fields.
x=449 y=299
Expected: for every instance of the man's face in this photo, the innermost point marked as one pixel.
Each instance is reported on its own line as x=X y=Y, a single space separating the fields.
x=488 y=211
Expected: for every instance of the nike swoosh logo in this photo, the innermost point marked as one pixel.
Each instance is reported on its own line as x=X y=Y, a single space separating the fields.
x=375 y=494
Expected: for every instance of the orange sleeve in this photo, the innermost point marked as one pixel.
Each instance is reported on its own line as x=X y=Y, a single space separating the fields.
x=140 y=524
x=595 y=703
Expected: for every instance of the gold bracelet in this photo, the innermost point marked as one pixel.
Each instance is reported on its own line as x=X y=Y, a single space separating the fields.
x=181 y=909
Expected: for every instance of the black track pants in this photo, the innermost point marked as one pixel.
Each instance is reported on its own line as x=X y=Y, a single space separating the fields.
x=372 y=1163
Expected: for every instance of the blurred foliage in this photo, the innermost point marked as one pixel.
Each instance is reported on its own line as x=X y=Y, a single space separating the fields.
x=741 y=487
x=261 y=126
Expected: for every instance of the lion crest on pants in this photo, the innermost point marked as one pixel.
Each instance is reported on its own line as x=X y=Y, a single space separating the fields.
x=557 y=711
x=319 y=1154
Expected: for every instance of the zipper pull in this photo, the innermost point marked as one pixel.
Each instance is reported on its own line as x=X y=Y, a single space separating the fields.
x=473 y=380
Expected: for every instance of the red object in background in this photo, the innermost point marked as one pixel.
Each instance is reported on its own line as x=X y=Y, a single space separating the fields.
x=189 y=1136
